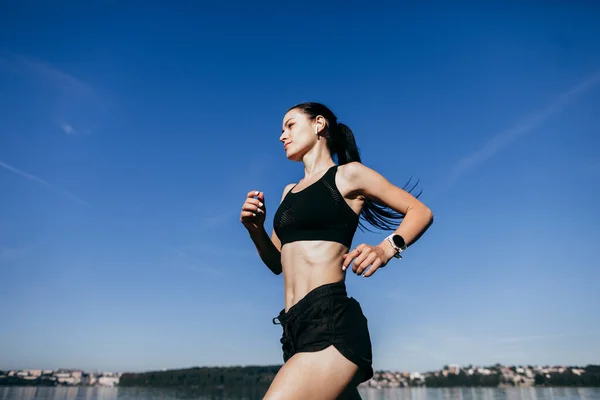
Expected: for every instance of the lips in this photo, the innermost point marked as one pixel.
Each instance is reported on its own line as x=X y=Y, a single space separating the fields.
x=286 y=145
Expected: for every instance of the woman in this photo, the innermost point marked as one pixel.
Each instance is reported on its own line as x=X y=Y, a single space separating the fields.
x=325 y=341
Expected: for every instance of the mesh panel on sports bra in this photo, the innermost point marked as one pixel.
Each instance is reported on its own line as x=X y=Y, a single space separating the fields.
x=335 y=194
x=287 y=216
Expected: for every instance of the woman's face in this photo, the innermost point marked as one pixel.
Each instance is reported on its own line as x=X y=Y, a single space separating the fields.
x=298 y=134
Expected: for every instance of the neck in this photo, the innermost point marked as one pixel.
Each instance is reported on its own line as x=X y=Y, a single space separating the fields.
x=317 y=160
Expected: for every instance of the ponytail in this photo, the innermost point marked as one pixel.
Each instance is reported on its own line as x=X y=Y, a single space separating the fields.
x=342 y=145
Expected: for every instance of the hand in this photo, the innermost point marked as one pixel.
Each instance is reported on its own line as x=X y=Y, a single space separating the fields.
x=253 y=211
x=375 y=256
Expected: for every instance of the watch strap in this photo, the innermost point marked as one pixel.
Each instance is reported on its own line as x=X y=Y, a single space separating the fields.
x=399 y=250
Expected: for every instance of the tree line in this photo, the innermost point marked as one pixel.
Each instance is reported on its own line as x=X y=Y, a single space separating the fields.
x=589 y=378
x=205 y=378
x=259 y=377
x=18 y=381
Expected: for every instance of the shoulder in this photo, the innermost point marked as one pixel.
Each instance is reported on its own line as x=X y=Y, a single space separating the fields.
x=356 y=172
x=360 y=179
x=286 y=189
x=350 y=179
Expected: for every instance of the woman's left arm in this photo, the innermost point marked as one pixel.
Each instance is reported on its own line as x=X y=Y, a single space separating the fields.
x=417 y=216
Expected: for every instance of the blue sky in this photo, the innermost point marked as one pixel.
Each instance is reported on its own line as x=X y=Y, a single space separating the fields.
x=130 y=136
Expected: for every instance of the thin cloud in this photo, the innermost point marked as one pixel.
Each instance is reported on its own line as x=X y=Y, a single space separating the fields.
x=68 y=129
x=34 y=178
x=71 y=131
x=54 y=76
x=73 y=103
x=504 y=138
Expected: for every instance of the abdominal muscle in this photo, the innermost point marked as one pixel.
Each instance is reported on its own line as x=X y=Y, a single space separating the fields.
x=308 y=265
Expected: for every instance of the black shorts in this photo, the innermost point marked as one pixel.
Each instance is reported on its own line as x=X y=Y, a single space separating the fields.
x=327 y=316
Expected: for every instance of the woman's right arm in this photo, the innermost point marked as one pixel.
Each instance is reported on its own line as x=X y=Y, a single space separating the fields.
x=253 y=217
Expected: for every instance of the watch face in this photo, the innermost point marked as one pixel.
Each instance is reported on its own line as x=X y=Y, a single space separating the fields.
x=398 y=241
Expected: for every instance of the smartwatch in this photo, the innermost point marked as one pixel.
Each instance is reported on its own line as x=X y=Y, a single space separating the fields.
x=397 y=243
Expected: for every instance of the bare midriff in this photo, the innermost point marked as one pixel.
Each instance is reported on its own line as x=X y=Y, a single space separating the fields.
x=308 y=265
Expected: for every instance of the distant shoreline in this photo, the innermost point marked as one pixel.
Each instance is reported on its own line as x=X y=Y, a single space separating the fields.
x=259 y=377
x=450 y=376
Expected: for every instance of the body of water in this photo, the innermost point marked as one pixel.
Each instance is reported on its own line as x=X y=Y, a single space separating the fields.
x=102 y=393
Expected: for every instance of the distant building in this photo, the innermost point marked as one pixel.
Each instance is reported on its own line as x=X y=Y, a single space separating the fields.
x=453 y=369
x=76 y=374
x=68 y=380
x=108 y=381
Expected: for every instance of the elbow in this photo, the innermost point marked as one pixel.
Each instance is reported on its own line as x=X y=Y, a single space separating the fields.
x=427 y=216
x=421 y=213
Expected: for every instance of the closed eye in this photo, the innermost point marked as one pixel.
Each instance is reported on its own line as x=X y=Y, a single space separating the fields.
x=288 y=126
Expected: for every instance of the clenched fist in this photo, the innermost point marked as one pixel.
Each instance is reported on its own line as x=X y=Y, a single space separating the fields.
x=253 y=211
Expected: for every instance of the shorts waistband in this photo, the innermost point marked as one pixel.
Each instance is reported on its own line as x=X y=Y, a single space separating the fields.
x=328 y=289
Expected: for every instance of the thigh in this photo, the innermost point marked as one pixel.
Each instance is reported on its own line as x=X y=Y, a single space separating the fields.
x=320 y=375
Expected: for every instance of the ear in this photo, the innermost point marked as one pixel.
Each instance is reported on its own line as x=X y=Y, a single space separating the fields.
x=320 y=123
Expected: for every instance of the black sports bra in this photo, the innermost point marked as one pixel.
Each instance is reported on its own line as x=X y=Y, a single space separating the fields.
x=318 y=212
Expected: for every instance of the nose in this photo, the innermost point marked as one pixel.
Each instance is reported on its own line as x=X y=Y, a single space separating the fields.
x=283 y=136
